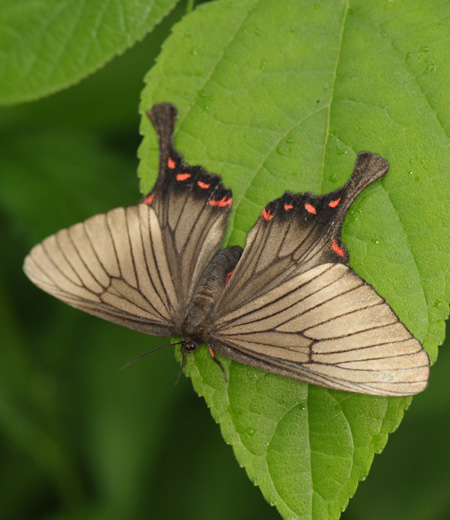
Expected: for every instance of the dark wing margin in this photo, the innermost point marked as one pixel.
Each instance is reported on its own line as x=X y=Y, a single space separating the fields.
x=113 y=266
x=192 y=206
x=327 y=327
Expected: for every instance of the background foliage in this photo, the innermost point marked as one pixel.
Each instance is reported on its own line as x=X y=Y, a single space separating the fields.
x=80 y=438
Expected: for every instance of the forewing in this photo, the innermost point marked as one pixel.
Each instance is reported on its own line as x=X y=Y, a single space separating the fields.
x=113 y=266
x=327 y=327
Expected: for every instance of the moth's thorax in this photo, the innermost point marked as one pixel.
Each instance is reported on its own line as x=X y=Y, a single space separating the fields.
x=198 y=319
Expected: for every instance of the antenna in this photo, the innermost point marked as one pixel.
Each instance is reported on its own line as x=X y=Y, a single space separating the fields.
x=147 y=353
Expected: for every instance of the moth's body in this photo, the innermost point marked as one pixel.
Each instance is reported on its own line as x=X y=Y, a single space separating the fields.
x=290 y=304
x=197 y=324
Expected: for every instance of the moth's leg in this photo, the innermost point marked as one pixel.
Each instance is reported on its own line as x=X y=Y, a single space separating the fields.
x=217 y=362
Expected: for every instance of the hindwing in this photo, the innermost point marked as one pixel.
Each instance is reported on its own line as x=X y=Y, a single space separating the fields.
x=295 y=233
x=192 y=207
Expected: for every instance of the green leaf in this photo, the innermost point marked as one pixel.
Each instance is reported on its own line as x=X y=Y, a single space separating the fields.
x=103 y=101
x=47 y=46
x=282 y=97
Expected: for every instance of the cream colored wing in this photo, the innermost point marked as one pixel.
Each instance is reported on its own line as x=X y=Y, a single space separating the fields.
x=138 y=266
x=327 y=327
x=113 y=266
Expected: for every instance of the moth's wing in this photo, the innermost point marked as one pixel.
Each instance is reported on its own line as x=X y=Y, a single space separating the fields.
x=295 y=233
x=138 y=266
x=113 y=266
x=192 y=206
x=326 y=326
x=293 y=306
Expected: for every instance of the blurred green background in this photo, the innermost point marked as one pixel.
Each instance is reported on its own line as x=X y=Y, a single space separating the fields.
x=79 y=437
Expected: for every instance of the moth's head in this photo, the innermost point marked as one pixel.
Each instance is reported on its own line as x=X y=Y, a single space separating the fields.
x=188 y=346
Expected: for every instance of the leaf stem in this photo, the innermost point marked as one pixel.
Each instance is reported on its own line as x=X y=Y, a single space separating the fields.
x=189 y=5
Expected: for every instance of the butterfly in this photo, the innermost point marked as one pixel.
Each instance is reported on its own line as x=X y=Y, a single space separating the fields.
x=287 y=303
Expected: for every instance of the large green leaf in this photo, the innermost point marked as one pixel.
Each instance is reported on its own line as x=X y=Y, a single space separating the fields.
x=277 y=96
x=46 y=46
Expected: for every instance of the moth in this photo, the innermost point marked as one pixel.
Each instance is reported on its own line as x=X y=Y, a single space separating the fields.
x=287 y=303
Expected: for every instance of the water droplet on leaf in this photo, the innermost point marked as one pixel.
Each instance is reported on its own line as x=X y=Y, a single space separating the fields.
x=430 y=68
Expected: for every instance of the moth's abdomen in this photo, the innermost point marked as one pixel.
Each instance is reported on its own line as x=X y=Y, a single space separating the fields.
x=208 y=290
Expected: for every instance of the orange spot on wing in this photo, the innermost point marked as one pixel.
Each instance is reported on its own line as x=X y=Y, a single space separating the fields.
x=288 y=206
x=267 y=214
x=221 y=203
x=171 y=163
x=337 y=248
x=310 y=209
x=182 y=176
x=228 y=277
x=211 y=352
x=203 y=185
x=334 y=203
x=149 y=199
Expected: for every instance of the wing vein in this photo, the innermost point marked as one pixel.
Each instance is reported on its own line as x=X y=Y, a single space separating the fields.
x=88 y=269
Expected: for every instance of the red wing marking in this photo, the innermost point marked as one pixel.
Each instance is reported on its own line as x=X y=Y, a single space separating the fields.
x=171 y=163
x=221 y=203
x=211 y=352
x=203 y=185
x=310 y=209
x=337 y=248
x=267 y=214
x=288 y=206
x=149 y=199
x=182 y=176
x=334 y=203
x=229 y=276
